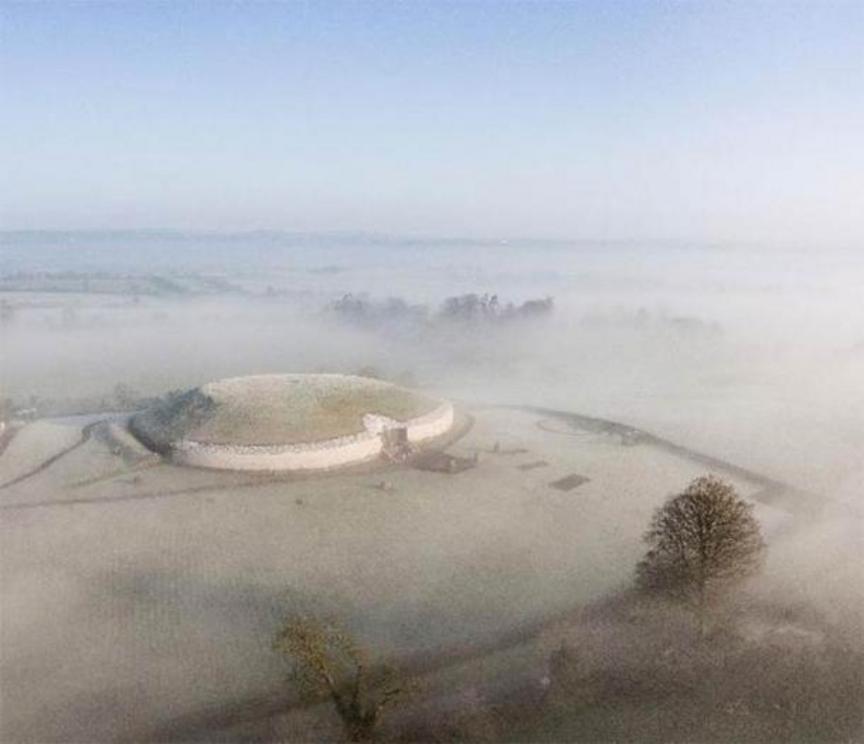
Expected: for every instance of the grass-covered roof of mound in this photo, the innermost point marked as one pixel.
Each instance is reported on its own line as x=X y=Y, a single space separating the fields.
x=277 y=409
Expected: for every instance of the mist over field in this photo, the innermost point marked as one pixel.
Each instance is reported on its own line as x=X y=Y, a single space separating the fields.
x=755 y=354
x=549 y=331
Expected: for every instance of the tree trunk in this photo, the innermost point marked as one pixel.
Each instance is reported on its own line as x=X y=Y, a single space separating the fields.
x=361 y=729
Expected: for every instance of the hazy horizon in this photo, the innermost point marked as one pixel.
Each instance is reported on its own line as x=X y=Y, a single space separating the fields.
x=700 y=122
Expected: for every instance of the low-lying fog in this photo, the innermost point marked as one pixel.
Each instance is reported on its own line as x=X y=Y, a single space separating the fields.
x=752 y=354
x=755 y=356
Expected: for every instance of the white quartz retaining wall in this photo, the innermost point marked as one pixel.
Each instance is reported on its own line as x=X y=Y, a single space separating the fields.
x=433 y=424
x=331 y=453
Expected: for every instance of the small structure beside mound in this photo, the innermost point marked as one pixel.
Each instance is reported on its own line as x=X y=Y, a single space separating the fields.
x=291 y=422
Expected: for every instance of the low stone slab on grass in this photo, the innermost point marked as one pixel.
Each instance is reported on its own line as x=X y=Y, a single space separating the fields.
x=533 y=465
x=569 y=482
x=441 y=462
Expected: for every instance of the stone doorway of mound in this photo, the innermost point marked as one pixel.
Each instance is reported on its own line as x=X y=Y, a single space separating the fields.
x=395 y=437
x=395 y=445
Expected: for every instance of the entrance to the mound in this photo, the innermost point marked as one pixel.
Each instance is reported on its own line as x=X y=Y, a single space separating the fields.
x=395 y=444
x=396 y=436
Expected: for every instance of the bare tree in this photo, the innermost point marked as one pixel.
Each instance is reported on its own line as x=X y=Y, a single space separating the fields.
x=703 y=541
x=328 y=663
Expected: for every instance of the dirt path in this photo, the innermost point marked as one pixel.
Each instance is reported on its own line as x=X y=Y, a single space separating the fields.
x=6 y=437
x=86 y=433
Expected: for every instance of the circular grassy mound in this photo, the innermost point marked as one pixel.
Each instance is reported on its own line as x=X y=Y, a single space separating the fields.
x=276 y=410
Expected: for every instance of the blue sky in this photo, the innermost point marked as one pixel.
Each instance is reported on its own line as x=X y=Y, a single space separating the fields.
x=658 y=120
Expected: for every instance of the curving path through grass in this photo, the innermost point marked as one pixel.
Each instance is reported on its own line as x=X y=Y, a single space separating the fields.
x=86 y=433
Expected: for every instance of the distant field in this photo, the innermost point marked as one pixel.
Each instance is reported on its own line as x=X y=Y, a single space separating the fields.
x=120 y=284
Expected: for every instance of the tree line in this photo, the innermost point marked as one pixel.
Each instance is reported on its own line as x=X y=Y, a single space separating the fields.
x=359 y=309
